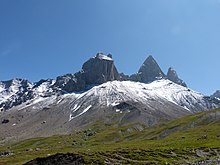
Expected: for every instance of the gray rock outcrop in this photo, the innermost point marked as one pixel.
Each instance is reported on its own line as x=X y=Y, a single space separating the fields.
x=95 y=71
x=172 y=76
x=148 y=72
x=99 y=69
x=216 y=94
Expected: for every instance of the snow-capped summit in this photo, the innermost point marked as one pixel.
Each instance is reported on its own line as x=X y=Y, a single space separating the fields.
x=97 y=93
x=102 y=56
x=99 y=70
x=14 y=92
x=151 y=96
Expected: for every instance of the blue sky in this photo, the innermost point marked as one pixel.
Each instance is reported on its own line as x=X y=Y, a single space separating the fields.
x=47 y=38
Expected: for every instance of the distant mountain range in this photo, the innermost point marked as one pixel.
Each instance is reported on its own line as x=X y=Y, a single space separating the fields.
x=96 y=93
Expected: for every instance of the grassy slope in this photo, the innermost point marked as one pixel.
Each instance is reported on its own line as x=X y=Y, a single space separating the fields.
x=187 y=139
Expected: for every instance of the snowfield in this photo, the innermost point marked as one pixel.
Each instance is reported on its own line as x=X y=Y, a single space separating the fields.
x=115 y=92
x=110 y=94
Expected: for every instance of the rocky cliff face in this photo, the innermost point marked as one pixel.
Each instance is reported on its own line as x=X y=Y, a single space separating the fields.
x=148 y=72
x=172 y=76
x=95 y=71
x=216 y=94
x=99 y=69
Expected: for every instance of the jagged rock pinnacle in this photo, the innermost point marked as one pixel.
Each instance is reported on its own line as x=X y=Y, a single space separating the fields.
x=100 y=69
x=96 y=70
x=172 y=76
x=150 y=71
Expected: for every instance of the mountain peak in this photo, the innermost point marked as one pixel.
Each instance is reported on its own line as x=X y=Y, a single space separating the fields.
x=150 y=61
x=172 y=76
x=102 y=56
x=97 y=70
x=100 y=69
x=150 y=70
x=150 y=58
x=216 y=94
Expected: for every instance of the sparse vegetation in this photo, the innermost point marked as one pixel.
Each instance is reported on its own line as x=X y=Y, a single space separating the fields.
x=188 y=139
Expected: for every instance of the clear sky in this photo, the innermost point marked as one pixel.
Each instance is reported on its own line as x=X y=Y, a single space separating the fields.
x=47 y=38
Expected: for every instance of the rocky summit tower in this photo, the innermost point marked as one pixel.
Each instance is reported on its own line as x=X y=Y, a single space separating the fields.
x=172 y=76
x=150 y=71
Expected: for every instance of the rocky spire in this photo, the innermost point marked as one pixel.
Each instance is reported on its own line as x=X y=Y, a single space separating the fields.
x=150 y=71
x=99 y=69
x=172 y=76
x=96 y=70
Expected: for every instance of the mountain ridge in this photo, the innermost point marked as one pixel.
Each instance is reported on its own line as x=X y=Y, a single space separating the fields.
x=95 y=71
x=97 y=93
x=118 y=102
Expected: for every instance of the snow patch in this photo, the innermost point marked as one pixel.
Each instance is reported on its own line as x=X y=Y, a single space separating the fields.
x=103 y=57
x=115 y=104
x=117 y=110
x=187 y=108
x=84 y=111
x=112 y=93
x=59 y=101
x=75 y=108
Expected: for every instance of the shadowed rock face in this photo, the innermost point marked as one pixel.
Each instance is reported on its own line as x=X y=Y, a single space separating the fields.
x=95 y=71
x=172 y=76
x=216 y=94
x=148 y=72
x=99 y=69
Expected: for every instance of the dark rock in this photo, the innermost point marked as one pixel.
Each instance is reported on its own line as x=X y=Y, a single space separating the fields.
x=58 y=159
x=37 y=84
x=99 y=70
x=172 y=76
x=44 y=122
x=148 y=72
x=5 y=154
x=216 y=94
x=5 y=121
x=95 y=71
x=67 y=83
x=204 y=137
x=123 y=105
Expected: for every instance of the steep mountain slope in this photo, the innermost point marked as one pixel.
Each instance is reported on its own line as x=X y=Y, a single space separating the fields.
x=97 y=70
x=114 y=93
x=119 y=102
x=14 y=92
x=95 y=94
x=191 y=140
x=17 y=91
